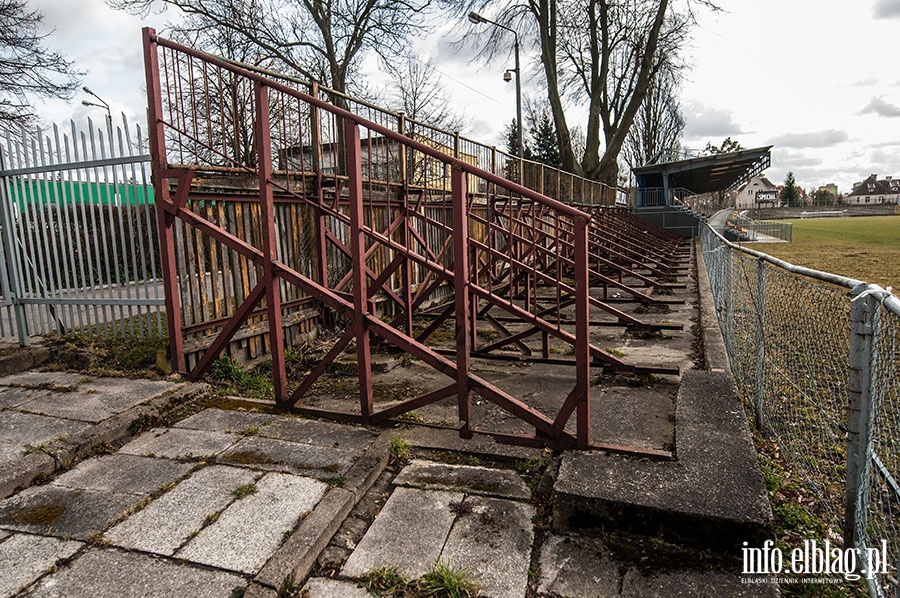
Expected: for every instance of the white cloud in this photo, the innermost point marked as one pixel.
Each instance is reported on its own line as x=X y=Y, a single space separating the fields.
x=887 y=9
x=804 y=140
x=878 y=106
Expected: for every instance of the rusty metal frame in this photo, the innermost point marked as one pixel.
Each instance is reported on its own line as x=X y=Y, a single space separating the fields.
x=542 y=244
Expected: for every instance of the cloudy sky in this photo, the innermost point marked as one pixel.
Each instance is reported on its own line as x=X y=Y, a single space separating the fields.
x=815 y=78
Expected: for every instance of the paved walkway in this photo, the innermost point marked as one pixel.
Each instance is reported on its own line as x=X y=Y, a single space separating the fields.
x=231 y=503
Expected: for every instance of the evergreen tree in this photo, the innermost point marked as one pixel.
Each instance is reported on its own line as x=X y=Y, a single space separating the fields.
x=511 y=135
x=790 y=195
x=542 y=136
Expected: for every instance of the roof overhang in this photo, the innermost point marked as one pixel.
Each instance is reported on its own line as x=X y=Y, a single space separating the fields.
x=707 y=174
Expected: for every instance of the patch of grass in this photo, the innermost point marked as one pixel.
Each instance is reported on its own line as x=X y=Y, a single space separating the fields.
x=386 y=581
x=288 y=587
x=244 y=491
x=249 y=431
x=445 y=580
x=103 y=353
x=231 y=378
x=532 y=469
x=335 y=482
x=238 y=592
x=412 y=416
x=400 y=450
x=865 y=247
x=615 y=352
x=442 y=580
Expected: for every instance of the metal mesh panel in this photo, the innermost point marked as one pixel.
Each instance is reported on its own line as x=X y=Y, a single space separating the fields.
x=792 y=340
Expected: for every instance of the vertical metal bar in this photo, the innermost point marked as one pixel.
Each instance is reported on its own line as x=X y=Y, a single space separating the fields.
x=165 y=221
x=358 y=253
x=582 y=334
x=460 y=221
x=269 y=241
x=860 y=415
x=13 y=260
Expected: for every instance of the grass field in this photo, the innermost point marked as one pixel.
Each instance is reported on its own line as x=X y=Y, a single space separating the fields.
x=866 y=247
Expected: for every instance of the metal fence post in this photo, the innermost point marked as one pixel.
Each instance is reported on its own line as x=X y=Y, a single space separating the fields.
x=760 y=340
x=860 y=416
x=12 y=279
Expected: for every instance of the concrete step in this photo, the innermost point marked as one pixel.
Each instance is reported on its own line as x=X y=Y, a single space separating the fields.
x=713 y=495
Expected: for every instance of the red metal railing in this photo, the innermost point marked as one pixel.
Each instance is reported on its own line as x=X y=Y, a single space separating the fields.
x=271 y=200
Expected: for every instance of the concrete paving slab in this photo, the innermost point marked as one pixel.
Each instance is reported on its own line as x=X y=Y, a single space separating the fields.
x=449 y=440
x=319 y=433
x=111 y=573
x=4 y=535
x=176 y=443
x=697 y=584
x=577 y=567
x=320 y=587
x=80 y=406
x=226 y=421
x=279 y=455
x=168 y=522
x=429 y=475
x=249 y=532
x=64 y=512
x=126 y=387
x=25 y=558
x=124 y=474
x=13 y=396
x=493 y=542
x=60 y=380
x=298 y=554
x=28 y=429
x=410 y=533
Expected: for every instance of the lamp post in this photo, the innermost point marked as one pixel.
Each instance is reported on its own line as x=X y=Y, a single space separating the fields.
x=103 y=104
x=477 y=19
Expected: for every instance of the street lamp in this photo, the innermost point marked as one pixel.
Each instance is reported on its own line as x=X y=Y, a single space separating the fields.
x=477 y=19
x=103 y=103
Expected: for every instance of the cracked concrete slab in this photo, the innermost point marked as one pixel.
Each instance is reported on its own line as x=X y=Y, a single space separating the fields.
x=220 y=420
x=320 y=587
x=410 y=533
x=319 y=433
x=578 y=567
x=28 y=429
x=493 y=542
x=25 y=558
x=168 y=522
x=177 y=443
x=249 y=531
x=111 y=573
x=12 y=396
x=62 y=380
x=430 y=475
x=124 y=474
x=279 y=455
x=64 y=512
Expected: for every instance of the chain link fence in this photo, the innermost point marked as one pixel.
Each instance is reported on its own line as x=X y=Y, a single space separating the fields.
x=815 y=357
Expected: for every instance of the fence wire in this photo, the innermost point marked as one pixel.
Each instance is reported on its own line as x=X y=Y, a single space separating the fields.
x=791 y=344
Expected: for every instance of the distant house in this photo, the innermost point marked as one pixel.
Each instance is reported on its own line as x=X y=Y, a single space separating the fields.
x=758 y=192
x=383 y=160
x=874 y=191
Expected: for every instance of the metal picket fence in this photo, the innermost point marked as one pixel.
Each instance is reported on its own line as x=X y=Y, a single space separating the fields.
x=815 y=357
x=79 y=246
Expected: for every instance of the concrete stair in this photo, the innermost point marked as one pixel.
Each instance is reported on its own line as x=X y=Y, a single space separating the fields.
x=712 y=496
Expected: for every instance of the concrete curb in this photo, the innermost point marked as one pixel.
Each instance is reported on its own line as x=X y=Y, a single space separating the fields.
x=23 y=358
x=297 y=556
x=715 y=355
x=63 y=452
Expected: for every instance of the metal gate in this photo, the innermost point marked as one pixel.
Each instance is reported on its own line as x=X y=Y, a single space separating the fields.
x=79 y=243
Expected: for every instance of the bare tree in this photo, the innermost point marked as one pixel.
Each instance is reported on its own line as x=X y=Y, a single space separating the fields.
x=415 y=91
x=27 y=68
x=657 y=125
x=319 y=40
x=600 y=52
